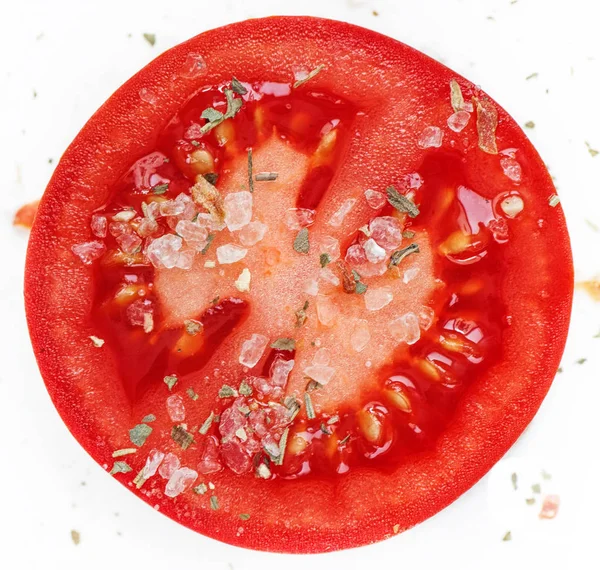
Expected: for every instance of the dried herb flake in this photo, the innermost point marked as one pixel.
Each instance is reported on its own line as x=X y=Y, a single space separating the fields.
x=284 y=344
x=139 y=434
x=310 y=411
x=150 y=38
x=266 y=176
x=401 y=203
x=170 y=381
x=214 y=503
x=301 y=243
x=324 y=259
x=237 y=87
x=160 y=189
x=207 y=423
x=182 y=437
x=397 y=257
x=310 y=75
x=192 y=394
x=301 y=315
x=120 y=467
x=227 y=391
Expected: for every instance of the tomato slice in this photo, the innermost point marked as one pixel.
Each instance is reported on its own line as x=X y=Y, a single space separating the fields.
x=305 y=308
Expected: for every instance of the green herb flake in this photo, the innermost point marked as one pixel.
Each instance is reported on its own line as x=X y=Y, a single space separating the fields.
x=282 y=446
x=212 y=115
x=192 y=394
x=401 y=203
x=301 y=315
x=75 y=537
x=120 y=467
x=215 y=300
x=324 y=259
x=333 y=420
x=345 y=440
x=126 y=451
x=325 y=429
x=150 y=38
x=536 y=488
x=531 y=75
x=361 y=288
x=266 y=176
x=530 y=501
x=149 y=418
x=408 y=234
x=513 y=479
x=581 y=361
x=250 y=179
x=310 y=75
x=560 y=370
x=214 y=503
x=207 y=423
x=227 y=391
x=192 y=327
x=209 y=240
x=593 y=152
x=529 y=125
x=545 y=475
x=139 y=434
x=292 y=405
x=244 y=516
x=245 y=389
x=237 y=87
x=284 y=343
x=397 y=257
x=215 y=117
x=594 y=227
x=553 y=200
x=310 y=411
x=507 y=537
x=160 y=189
x=182 y=437
x=301 y=243
x=170 y=381
x=200 y=489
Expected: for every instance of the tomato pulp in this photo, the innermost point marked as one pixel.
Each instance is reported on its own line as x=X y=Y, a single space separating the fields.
x=280 y=292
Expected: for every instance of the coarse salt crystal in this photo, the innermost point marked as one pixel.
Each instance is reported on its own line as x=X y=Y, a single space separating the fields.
x=163 y=252
x=89 y=251
x=387 y=232
x=280 y=371
x=124 y=216
x=361 y=335
x=186 y=259
x=431 y=137
x=511 y=168
x=175 y=408
x=325 y=274
x=426 y=317
x=153 y=461
x=99 y=225
x=406 y=328
x=298 y=218
x=327 y=310
x=377 y=298
x=209 y=462
x=331 y=246
x=238 y=210
x=322 y=357
x=252 y=233
x=169 y=465
x=230 y=253
x=376 y=200
x=356 y=255
x=194 y=235
x=180 y=481
x=252 y=350
x=311 y=287
x=458 y=121
x=129 y=243
x=172 y=208
x=410 y=274
x=345 y=207
x=320 y=374
x=242 y=283
x=194 y=66
x=373 y=251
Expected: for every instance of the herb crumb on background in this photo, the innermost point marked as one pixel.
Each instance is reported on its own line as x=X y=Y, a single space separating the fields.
x=150 y=38
x=75 y=537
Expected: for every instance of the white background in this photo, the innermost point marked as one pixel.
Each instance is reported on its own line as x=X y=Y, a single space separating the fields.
x=60 y=59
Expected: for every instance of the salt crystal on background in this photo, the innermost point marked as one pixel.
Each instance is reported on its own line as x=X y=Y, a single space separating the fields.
x=194 y=235
x=175 y=408
x=180 y=481
x=129 y=243
x=209 y=462
x=331 y=246
x=252 y=233
x=329 y=276
x=208 y=221
x=376 y=200
x=356 y=255
x=373 y=251
x=426 y=317
x=147 y=227
x=280 y=371
x=99 y=225
x=373 y=269
x=171 y=208
x=361 y=335
x=377 y=298
x=117 y=229
x=327 y=310
x=238 y=210
x=311 y=287
x=252 y=350
x=387 y=232
x=413 y=181
x=153 y=461
x=431 y=137
x=136 y=312
x=230 y=253
x=410 y=274
x=298 y=218
x=345 y=207
x=322 y=357
x=511 y=168
x=163 y=252
x=193 y=67
x=89 y=251
x=458 y=121
x=186 y=259
x=406 y=328
x=320 y=374
x=169 y=465
x=235 y=457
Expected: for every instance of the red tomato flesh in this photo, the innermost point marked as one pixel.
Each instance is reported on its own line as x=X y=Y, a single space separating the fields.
x=310 y=348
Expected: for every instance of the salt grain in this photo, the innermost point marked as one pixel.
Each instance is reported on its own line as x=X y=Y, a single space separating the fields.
x=153 y=461
x=405 y=328
x=426 y=317
x=361 y=335
x=252 y=233
x=431 y=137
x=331 y=246
x=186 y=259
x=356 y=255
x=193 y=67
x=320 y=374
x=238 y=210
x=373 y=251
x=129 y=243
x=175 y=408
x=89 y=251
x=99 y=225
x=458 y=121
x=377 y=298
x=511 y=168
x=327 y=310
x=311 y=287
x=163 y=252
x=252 y=350
x=376 y=200
x=386 y=231
x=230 y=253
x=297 y=218
x=180 y=481
x=512 y=205
x=169 y=465
x=322 y=357
x=194 y=235
x=345 y=207
x=280 y=371
x=410 y=274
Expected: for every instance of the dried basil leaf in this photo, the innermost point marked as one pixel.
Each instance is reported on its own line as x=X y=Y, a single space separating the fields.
x=227 y=392
x=237 y=87
x=301 y=315
x=182 y=437
x=150 y=38
x=160 y=189
x=245 y=389
x=399 y=255
x=192 y=394
x=207 y=423
x=139 y=434
x=284 y=344
x=401 y=203
x=170 y=381
x=310 y=75
x=149 y=418
x=324 y=259
x=120 y=467
x=301 y=243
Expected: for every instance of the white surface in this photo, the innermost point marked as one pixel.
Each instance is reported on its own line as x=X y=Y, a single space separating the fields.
x=75 y=54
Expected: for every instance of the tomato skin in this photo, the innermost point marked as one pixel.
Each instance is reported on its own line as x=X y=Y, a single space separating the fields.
x=307 y=515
